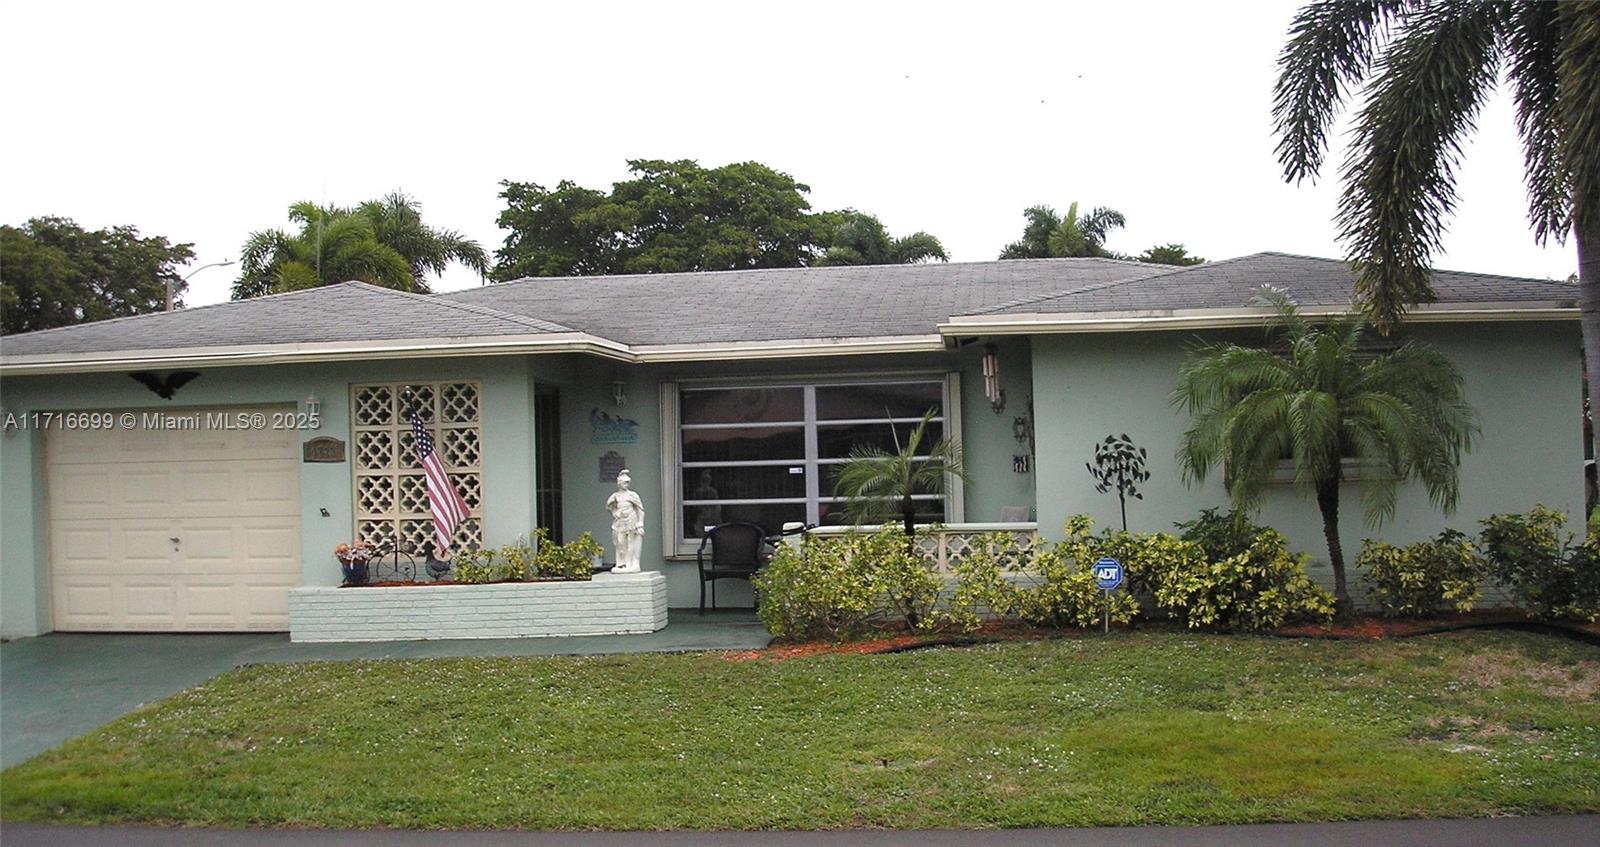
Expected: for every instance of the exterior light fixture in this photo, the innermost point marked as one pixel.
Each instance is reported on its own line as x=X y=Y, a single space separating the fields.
x=991 y=379
x=619 y=393
x=313 y=411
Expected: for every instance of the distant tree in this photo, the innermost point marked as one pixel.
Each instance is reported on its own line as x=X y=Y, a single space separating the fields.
x=383 y=242
x=1169 y=254
x=680 y=216
x=1052 y=236
x=861 y=239
x=55 y=273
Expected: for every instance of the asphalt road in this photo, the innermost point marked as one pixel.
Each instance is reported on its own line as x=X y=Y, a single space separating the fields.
x=1574 y=831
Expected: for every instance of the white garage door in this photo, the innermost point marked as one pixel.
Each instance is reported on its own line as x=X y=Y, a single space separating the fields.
x=161 y=529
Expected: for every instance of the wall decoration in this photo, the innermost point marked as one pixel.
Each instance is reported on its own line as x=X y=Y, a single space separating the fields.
x=322 y=449
x=611 y=464
x=605 y=429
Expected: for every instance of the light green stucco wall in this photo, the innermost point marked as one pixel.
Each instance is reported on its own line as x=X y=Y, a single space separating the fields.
x=1523 y=378
x=508 y=471
x=987 y=437
x=509 y=384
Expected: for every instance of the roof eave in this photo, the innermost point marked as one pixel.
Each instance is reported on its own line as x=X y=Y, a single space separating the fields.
x=427 y=348
x=1181 y=319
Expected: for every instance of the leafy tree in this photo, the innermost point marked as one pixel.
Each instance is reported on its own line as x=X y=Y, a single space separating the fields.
x=679 y=216
x=56 y=273
x=1315 y=398
x=1052 y=236
x=878 y=485
x=1169 y=254
x=861 y=239
x=383 y=242
x=1427 y=69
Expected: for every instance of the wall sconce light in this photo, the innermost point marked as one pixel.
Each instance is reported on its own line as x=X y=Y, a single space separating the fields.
x=313 y=411
x=991 y=379
x=619 y=393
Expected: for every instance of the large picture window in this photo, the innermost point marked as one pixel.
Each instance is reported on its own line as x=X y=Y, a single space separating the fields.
x=770 y=453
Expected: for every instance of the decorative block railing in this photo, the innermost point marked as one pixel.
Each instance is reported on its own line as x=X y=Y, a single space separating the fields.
x=947 y=543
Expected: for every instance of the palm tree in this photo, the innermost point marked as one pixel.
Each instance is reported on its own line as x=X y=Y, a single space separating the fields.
x=1427 y=68
x=862 y=239
x=1052 y=236
x=383 y=242
x=878 y=485
x=397 y=222
x=1316 y=399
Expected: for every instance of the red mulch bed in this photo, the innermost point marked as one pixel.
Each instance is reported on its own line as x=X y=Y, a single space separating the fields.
x=1371 y=628
x=1376 y=627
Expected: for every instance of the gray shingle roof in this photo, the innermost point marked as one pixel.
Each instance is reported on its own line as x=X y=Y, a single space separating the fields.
x=780 y=304
x=748 y=306
x=352 y=311
x=1232 y=283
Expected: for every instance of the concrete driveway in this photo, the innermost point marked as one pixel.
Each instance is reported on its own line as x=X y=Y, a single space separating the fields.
x=59 y=686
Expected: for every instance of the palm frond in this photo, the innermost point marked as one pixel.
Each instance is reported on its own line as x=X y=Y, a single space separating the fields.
x=1533 y=47
x=1400 y=174
x=1331 y=44
x=1578 y=69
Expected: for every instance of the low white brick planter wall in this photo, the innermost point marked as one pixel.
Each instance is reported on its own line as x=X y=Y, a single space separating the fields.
x=611 y=604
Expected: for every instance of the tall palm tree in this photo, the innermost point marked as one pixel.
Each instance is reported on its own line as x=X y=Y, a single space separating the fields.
x=1316 y=399
x=383 y=242
x=1052 y=236
x=878 y=485
x=862 y=239
x=397 y=223
x=1427 y=66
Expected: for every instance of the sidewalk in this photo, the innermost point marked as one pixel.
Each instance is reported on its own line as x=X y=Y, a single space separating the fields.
x=1574 y=831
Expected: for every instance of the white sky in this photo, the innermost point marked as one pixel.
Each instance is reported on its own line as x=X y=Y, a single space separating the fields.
x=202 y=122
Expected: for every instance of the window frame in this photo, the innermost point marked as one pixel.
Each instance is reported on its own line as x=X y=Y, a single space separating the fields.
x=676 y=546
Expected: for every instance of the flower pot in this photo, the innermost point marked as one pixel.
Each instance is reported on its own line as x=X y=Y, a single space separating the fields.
x=354 y=574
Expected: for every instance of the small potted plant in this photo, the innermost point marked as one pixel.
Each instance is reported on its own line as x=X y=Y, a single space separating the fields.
x=353 y=559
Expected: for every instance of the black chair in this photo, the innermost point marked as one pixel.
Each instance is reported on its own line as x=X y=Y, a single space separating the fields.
x=737 y=552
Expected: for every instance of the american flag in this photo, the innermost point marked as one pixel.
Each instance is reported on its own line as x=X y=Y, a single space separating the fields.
x=448 y=509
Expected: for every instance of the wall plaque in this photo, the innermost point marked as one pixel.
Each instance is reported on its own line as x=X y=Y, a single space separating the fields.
x=612 y=464
x=604 y=429
x=323 y=449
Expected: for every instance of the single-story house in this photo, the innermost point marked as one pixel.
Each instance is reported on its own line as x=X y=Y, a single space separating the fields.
x=728 y=395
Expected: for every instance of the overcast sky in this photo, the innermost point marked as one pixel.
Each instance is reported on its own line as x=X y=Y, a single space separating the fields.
x=203 y=122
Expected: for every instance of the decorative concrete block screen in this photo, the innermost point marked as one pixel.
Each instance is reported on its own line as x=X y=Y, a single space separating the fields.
x=391 y=495
x=611 y=604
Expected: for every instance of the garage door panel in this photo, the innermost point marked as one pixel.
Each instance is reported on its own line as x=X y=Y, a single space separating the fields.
x=118 y=498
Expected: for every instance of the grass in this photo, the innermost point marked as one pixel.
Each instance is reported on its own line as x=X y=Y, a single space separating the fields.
x=1127 y=729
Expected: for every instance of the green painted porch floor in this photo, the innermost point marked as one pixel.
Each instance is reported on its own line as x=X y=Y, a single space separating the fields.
x=61 y=685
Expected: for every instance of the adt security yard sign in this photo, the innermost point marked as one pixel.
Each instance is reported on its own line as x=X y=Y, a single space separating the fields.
x=1108 y=576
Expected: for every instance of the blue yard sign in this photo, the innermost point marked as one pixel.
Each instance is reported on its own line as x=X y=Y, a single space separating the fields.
x=1108 y=574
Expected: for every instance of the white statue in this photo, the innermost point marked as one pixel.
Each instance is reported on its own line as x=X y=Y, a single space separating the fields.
x=627 y=524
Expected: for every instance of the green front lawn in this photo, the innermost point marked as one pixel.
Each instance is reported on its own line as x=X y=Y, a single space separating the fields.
x=1126 y=729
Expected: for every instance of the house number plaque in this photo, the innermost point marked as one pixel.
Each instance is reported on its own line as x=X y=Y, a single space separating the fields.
x=323 y=449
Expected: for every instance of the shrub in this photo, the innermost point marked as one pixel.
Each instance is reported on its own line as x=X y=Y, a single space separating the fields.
x=1419 y=579
x=476 y=567
x=516 y=559
x=1533 y=557
x=982 y=588
x=824 y=588
x=1236 y=575
x=1066 y=594
x=909 y=585
x=573 y=560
